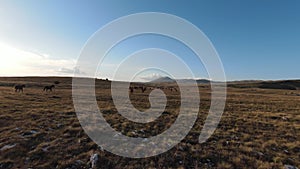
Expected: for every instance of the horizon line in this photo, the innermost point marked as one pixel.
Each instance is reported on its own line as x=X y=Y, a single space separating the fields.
x=103 y=78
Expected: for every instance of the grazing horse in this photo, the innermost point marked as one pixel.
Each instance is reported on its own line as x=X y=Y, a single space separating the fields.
x=131 y=89
x=19 y=88
x=143 y=89
x=49 y=88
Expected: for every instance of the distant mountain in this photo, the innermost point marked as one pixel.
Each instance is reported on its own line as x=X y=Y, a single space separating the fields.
x=170 y=80
x=163 y=80
x=285 y=84
x=203 y=81
x=280 y=84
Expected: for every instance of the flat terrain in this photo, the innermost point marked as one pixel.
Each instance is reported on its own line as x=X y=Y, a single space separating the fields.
x=260 y=128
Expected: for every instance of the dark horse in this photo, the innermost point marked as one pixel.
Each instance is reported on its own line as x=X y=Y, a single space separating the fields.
x=49 y=88
x=143 y=89
x=19 y=88
x=131 y=89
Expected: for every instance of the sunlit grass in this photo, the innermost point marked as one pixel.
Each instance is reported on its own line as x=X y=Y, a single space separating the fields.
x=259 y=129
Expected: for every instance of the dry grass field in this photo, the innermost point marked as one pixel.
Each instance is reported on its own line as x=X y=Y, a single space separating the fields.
x=260 y=128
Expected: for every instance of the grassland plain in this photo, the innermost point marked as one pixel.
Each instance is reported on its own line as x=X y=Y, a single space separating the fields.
x=260 y=128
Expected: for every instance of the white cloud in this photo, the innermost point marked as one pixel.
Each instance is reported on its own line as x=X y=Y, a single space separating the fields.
x=65 y=70
x=18 y=62
x=151 y=76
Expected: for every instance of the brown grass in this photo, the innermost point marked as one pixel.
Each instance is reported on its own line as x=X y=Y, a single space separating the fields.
x=260 y=128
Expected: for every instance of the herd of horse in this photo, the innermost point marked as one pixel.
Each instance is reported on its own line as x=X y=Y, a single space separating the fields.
x=19 y=88
x=143 y=88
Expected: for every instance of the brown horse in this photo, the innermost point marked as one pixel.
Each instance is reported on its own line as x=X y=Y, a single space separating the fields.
x=143 y=89
x=19 y=88
x=131 y=89
x=49 y=88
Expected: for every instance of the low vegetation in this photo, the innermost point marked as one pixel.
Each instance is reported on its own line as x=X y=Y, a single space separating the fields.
x=260 y=128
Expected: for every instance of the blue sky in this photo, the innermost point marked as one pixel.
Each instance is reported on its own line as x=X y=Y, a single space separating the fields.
x=255 y=39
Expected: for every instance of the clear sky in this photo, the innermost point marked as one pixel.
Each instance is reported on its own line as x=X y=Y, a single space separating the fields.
x=255 y=39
